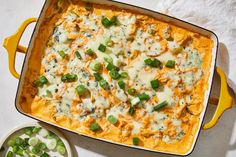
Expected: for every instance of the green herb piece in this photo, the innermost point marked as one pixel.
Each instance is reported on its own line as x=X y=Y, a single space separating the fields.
x=112 y=119
x=97 y=76
x=81 y=89
x=69 y=78
x=135 y=101
x=106 y=22
x=135 y=141
x=114 y=74
x=48 y=93
x=42 y=146
x=33 y=141
x=20 y=152
x=156 y=63
x=121 y=84
x=96 y=66
x=131 y=91
x=124 y=75
x=143 y=96
x=160 y=106
x=45 y=155
x=90 y=52
x=18 y=141
x=78 y=55
x=36 y=130
x=131 y=111
x=114 y=20
x=155 y=84
x=40 y=81
x=170 y=64
x=28 y=131
x=103 y=83
x=95 y=127
x=35 y=150
x=102 y=48
x=61 y=149
x=10 y=154
x=108 y=59
x=15 y=148
x=148 y=61
x=62 y=54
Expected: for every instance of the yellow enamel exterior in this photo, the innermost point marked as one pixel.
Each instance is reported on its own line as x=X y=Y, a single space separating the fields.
x=11 y=43
x=225 y=100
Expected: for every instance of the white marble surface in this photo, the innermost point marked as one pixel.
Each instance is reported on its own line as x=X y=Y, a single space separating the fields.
x=219 y=141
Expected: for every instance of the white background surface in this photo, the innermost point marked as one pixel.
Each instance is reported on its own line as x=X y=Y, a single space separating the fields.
x=219 y=141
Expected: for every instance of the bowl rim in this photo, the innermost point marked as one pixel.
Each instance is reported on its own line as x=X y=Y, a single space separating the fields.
x=43 y=125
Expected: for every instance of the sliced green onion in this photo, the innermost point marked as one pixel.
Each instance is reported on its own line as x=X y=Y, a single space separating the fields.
x=135 y=101
x=28 y=131
x=143 y=96
x=114 y=74
x=135 y=141
x=45 y=155
x=81 y=89
x=156 y=63
x=112 y=119
x=36 y=129
x=155 y=84
x=131 y=91
x=108 y=59
x=18 y=141
x=43 y=132
x=33 y=141
x=40 y=81
x=170 y=64
x=114 y=20
x=62 y=54
x=69 y=78
x=61 y=149
x=103 y=83
x=96 y=66
x=95 y=127
x=124 y=75
x=10 y=154
x=51 y=144
x=10 y=143
x=160 y=106
x=106 y=22
x=35 y=150
x=15 y=148
x=48 y=93
x=97 y=76
x=42 y=146
x=148 y=61
x=20 y=151
x=78 y=55
x=90 y=52
x=131 y=111
x=102 y=48
x=121 y=84
x=110 y=66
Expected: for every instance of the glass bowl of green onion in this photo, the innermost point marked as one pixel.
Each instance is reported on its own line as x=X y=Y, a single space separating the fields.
x=35 y=140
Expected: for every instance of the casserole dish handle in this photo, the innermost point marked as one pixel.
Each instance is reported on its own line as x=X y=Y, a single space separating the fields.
x=225 y=100
x=11 y=44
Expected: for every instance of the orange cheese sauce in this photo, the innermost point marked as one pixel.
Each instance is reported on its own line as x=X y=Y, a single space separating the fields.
x=72 y=27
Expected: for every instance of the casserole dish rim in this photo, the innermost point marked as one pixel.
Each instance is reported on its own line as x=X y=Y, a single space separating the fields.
x=206 y=96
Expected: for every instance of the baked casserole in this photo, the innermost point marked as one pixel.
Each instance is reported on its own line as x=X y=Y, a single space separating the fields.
x=118 y=75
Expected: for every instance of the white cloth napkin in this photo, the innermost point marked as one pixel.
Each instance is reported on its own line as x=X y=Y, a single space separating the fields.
x=216 y=15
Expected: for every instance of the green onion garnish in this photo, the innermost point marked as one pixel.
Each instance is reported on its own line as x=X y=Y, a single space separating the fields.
x=106 y=22
x=112 y=119
x=143 y=96
x=148 y=61
x=62 y=54
x=45 y=155
x=160 y=106
x=69 y=78
x=48 y=93
x=90 y=52
x=61 y=149
x=81 y=89
x=95 y=127
x=40 y=81
x=103 y=83
x=131 y=111
x=131 y=91
x=96 y=66
x=108 y=59
x=124 y=75
x=114 y=74
x=10 y=154
x=97 y=76
x=121 y=84
x=155 y=84
x=153 y=63
x=78 y=55
x=135 y=101
x=102 y=48
x=170 y=64
x=135 y=141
